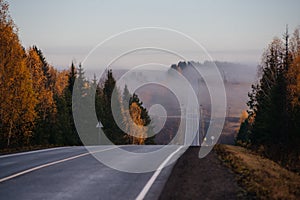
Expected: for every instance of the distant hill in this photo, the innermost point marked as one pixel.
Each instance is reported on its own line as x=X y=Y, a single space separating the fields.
x=231 y=72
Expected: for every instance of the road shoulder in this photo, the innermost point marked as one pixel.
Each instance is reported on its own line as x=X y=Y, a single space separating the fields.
x=206 y=178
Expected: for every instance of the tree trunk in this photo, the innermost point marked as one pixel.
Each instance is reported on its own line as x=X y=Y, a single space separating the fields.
x=9 y=134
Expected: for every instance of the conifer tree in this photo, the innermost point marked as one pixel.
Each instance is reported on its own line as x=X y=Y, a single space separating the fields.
x=273 y=121
x=110 y=127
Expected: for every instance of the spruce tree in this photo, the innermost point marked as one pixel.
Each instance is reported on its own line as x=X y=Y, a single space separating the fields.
x=64 y=108
x=110 y=127
x=273 y=121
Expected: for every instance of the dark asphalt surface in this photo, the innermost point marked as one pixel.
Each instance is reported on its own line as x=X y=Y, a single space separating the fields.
x=80 y=178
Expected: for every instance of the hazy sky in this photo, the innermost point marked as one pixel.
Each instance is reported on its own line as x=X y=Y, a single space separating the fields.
x=231 y=30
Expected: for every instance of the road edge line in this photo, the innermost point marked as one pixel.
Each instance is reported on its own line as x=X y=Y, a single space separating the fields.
x=150 y=182
x=50 y=164
x=33 y=151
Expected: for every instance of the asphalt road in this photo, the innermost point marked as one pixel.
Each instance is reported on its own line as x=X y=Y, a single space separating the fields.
x=73 y=173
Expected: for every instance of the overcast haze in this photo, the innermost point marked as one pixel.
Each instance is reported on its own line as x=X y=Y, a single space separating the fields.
x=230 y=30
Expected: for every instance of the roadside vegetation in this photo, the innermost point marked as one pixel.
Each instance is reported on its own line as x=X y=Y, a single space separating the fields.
x=36 y=98
x=272 y=124
x=261 y=178
x=267 y=158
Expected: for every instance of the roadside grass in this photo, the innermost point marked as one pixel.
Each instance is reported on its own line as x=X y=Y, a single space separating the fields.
x=260 y=177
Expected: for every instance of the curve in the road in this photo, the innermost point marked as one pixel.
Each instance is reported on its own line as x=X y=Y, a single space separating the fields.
x=51 y=163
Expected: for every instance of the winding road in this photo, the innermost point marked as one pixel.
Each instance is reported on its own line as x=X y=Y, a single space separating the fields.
x=73 y=173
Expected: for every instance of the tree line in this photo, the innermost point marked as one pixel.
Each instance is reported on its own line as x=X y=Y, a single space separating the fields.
x=36 y=99
x=273 y=123
x=128 y=107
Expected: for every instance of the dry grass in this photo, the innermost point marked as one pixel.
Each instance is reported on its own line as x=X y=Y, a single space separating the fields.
x=261 y=178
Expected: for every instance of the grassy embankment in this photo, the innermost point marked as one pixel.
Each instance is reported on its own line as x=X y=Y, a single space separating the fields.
x=260 y=177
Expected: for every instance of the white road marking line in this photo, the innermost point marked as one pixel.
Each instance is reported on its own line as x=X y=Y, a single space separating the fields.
x=155 y=175
x=51 y=163
x=31 y=152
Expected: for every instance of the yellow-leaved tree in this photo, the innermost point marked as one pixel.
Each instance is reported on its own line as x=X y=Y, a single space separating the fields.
x=43 y=93
x=17 y=96
x=138 y=130
x=294 y=82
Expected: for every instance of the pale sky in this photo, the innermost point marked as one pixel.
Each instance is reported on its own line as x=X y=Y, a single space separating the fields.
x=231 y=30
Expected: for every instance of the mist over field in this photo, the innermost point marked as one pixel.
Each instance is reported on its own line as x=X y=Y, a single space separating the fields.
x=155 y=83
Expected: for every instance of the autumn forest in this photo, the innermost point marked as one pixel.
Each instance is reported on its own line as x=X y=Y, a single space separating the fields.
x=36 y=98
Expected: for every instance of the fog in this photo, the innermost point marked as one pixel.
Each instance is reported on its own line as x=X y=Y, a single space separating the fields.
x=174 y=87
